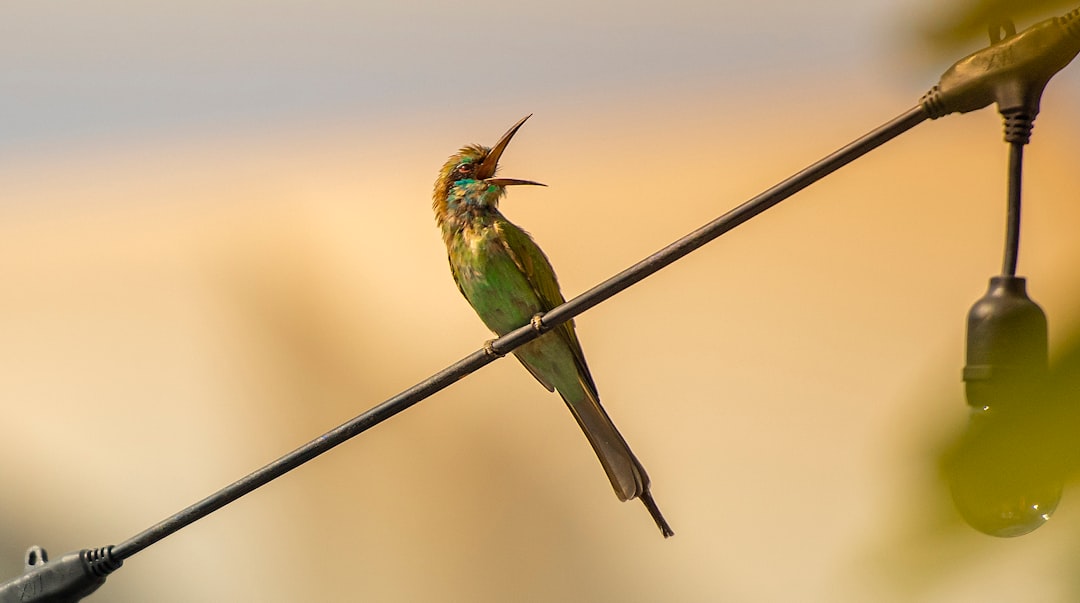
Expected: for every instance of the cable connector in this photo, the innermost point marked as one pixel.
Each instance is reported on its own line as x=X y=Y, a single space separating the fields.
x=1012 y=71
x=67 y=580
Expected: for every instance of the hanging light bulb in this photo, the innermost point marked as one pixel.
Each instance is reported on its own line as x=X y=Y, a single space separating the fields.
x=1003 y=478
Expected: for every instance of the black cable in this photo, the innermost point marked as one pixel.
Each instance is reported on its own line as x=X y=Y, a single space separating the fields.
x=1012 y=220
x=518 y=337
x=737 y=216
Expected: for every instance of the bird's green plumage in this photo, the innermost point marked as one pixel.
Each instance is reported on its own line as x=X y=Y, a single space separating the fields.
x=507 y=279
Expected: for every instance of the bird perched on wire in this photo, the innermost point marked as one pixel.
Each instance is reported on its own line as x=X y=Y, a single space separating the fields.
x=508 y=281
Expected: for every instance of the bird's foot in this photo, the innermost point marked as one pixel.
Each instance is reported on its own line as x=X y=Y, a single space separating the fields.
x=489 y=349
x=537 y=322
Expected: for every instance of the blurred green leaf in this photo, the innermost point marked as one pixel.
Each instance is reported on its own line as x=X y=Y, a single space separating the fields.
x=970 y=19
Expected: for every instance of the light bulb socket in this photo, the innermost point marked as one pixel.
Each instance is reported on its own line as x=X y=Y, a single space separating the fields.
x=1006 y=345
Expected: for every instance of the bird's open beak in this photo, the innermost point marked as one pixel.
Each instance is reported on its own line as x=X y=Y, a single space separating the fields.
x=487 y=167
x=511 y=181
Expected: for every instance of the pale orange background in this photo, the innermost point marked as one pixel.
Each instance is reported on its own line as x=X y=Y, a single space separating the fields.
x=188 y=295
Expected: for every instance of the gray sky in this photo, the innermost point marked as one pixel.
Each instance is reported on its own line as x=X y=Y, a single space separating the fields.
x=102 y=69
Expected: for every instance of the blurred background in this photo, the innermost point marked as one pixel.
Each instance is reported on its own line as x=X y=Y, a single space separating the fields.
x=216 y=243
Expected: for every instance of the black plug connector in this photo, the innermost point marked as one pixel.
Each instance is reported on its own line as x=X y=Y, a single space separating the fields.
x=67 y=580
x=1012 y=72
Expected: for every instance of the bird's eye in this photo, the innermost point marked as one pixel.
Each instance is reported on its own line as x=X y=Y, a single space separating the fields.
x=465 y=169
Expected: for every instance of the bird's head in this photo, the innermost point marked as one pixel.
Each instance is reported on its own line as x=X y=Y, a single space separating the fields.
x=468 y=177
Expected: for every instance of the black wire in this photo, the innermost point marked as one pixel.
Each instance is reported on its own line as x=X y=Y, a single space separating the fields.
x=1012 y=219
x=735 y=217
x=314 y=448
x=518 y=337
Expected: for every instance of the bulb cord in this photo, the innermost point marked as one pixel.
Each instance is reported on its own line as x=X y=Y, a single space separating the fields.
x=1012 y=219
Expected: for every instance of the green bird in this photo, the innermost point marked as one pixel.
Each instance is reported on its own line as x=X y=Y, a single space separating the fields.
x=508 y=280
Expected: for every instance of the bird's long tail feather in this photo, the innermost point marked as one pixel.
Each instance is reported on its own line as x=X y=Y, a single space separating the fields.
x=626 y=473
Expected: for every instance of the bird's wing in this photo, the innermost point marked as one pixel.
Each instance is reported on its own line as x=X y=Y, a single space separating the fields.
x=457 y=279
x=536 y=267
